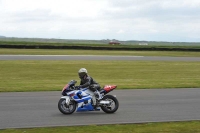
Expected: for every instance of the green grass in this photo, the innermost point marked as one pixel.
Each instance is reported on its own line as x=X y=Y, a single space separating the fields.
x=168 y=127
x=53 y=75
x=96 y=52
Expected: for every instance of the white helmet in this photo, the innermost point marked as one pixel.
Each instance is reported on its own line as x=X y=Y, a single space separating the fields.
x=82 y=72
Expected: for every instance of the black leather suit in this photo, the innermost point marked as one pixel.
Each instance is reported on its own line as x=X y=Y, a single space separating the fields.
x=89 y=82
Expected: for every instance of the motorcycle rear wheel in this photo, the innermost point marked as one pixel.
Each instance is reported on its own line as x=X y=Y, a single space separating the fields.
x=62 y=106
x=110 y=108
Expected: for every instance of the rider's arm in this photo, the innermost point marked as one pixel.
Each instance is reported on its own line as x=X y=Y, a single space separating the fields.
x=87 y=84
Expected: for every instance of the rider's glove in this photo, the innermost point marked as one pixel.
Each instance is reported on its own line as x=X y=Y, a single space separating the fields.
x=77 y=87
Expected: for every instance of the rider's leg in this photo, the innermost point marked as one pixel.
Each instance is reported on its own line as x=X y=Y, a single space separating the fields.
x=93 y=89
x=94 y=100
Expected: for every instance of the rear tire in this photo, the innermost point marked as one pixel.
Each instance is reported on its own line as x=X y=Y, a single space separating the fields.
x=62 y=106
x=113 y=106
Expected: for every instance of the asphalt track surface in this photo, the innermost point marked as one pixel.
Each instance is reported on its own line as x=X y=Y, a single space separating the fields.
x=39 y=109
x=95 y=57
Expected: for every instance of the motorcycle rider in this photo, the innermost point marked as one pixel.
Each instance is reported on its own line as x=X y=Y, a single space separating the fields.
x=88 y=81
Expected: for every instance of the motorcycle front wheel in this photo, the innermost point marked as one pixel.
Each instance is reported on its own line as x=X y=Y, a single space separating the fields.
x=66 y=109
x=113 y=106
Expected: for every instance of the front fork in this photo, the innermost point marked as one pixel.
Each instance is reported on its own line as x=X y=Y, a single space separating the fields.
x=67 y=99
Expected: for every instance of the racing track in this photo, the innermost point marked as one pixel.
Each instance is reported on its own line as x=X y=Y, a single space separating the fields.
x=39 y=109
x=95 y=57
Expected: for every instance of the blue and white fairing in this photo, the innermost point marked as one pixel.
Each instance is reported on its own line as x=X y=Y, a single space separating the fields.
x=83 y=98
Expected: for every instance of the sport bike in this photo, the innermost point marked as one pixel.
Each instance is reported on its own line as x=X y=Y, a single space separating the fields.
x=82 y=99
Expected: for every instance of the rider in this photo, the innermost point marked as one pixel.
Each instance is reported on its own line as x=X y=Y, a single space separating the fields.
x=88 y=81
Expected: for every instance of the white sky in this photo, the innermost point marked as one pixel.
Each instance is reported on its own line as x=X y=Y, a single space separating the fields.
x=151 y=20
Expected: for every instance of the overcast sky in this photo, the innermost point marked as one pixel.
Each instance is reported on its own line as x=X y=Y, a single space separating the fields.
x=151 y=20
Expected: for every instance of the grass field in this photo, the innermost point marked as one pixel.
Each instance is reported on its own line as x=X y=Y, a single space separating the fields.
x=169 y=127
x=53 y=75
x=96 y=52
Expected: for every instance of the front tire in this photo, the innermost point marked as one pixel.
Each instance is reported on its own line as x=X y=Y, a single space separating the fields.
x=113 y=106
x=62 y=106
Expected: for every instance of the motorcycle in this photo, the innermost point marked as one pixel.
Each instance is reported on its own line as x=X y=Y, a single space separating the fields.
x=82 y=99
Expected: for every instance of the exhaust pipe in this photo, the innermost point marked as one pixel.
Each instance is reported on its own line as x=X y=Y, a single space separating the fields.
x=104 y=102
